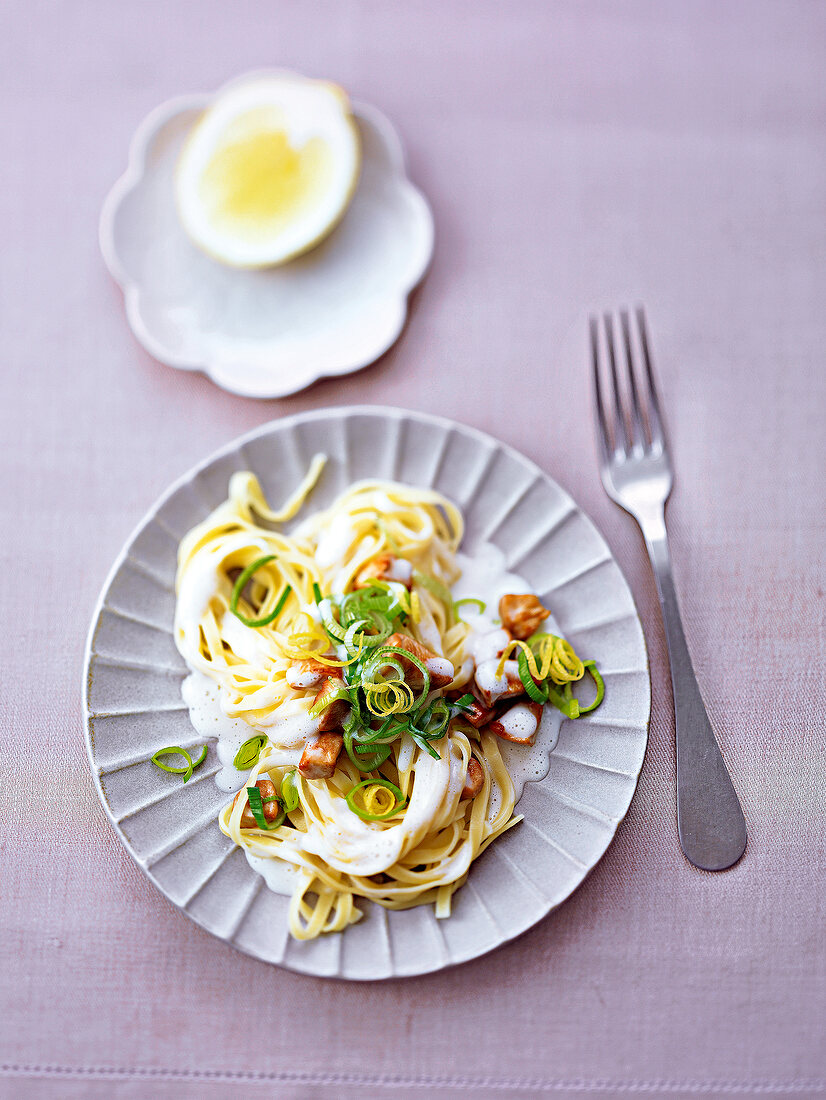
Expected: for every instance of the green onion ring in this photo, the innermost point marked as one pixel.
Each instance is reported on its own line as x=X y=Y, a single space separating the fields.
x=363 y=762
x=593 y=672
x=187 y=769
x=247 y=756
x=537 y=694
x=470 y=599
x=569 y=706
x=239 y=586
x=401 y=801
x=289 y=792
x=327 y=699
x=439 y=590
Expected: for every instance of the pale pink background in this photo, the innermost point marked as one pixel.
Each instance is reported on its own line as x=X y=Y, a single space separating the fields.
x=576 y=156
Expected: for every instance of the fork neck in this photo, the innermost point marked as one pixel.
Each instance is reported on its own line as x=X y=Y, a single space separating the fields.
x=651 y=518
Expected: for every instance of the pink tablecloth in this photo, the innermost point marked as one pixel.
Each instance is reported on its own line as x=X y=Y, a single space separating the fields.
x=577 y=156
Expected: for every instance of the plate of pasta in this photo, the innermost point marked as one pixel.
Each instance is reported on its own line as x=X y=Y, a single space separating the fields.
x=366 y=694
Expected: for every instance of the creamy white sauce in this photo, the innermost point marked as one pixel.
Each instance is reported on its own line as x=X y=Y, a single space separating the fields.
x=289 y=726
x=493 y=685
x=198 y=585
x=334 y=541
x=519 y=721
x=244 y=640
x=439 y=666
x=203 y=697
x=486 y=646
x=280 y=876
x=302 y=677
x=400 y=570
x=530 y=763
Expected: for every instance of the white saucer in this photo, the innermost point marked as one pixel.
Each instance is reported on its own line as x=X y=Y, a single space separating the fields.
x=273 y=332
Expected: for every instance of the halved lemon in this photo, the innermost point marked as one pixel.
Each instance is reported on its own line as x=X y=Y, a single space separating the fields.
x=268 y=170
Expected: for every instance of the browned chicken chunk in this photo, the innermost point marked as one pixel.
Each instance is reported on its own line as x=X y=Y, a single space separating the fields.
x=518 y=723
x=271 y=809
x=474 y=712
x=318 y=761
x=384 y=567
x=522 y=615
x=474 y=780
x=440 y=669
x=332 y=716
x=491 y=688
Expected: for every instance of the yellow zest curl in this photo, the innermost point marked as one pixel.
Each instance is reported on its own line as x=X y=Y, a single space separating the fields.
x=557 y=657
x=390 y=697
x=378 y=800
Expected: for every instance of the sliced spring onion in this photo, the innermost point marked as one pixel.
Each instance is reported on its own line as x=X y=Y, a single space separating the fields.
x=316 y=593
x=289 y=792
x=338 y=690
x=439 y=590
x=423 y=744
x=593 y=672
x=539 y=694
x=188 y=768
x=567 y=704
x=247 y=755
x=336 y=631
x=471 y=600
x=241 y=583
x=365 y=762
x=256 y=805
x=465 y=703
x=365 y=815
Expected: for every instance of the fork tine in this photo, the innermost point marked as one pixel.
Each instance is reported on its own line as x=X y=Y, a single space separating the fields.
x=655 y=418
x=638 y=436
x=603 y=438
x=620 y=431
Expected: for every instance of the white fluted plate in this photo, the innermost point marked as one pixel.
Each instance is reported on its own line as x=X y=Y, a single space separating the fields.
x=132 y=696
x=272 y=332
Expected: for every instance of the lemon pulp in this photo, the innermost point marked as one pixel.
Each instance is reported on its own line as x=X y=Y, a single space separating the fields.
x=257 y=182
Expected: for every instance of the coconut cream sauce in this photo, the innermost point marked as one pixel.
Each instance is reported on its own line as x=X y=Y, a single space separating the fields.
x=346 y=842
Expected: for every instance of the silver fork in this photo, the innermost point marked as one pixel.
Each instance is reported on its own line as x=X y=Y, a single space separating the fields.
x=636 y=473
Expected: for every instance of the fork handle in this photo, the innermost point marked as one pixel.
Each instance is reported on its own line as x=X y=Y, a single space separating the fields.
x=710 y=820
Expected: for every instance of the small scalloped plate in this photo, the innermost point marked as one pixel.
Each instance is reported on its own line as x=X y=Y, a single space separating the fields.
x=133 y=704
x=272 y=332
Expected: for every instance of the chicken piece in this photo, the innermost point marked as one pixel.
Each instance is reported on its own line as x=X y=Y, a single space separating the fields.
x=522 y=615
x=440 y=669
x=384 y=567
x=307 y=674
x=518 y=723
x=332 y=717
x=271 y=809
x=474 y=780
x=318 y=761
x=490 y=688
x=473 y=712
